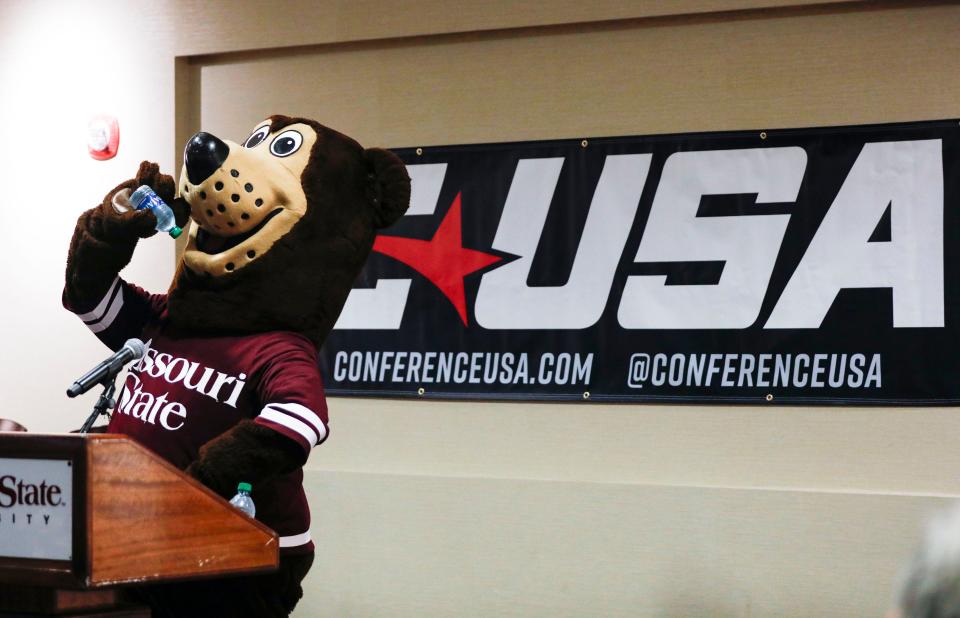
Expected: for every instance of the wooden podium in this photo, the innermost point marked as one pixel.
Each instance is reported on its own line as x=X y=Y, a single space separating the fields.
x=82 y=516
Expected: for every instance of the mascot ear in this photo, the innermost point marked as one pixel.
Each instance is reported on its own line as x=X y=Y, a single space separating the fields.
x=389 y=188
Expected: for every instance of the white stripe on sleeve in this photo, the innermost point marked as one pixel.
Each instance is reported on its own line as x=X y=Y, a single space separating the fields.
x=97 y=312
x=295 y=540
x=111 y=315
x=303 y=413
x=293 y=423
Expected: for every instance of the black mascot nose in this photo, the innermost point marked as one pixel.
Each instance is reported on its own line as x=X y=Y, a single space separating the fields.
x=203 y=155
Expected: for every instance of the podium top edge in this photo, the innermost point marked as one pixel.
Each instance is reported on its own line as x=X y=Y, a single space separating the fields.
x=20 y=444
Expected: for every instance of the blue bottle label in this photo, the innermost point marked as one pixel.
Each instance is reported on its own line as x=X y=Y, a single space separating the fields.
x=151 y=200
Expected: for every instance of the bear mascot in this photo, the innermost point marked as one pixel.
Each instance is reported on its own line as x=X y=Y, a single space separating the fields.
x=229 y=389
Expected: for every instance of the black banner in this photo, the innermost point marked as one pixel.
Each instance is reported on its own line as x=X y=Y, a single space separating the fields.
x=799 y=266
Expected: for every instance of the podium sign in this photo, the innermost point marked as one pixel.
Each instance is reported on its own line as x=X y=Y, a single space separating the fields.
x=35 y=515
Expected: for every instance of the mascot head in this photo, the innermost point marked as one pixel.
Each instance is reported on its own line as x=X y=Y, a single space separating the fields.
x=283 y=223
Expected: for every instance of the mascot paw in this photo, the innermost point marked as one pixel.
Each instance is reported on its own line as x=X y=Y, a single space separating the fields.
x=248 y=452
x=119 y=222
x=106 y=236
x=199 y=471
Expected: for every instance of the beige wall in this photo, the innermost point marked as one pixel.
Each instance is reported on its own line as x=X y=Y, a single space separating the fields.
x=755 y=70
x=447 y=509
x=57 y=69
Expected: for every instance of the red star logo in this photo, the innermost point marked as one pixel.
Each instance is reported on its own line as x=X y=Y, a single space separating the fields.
x=443 y=260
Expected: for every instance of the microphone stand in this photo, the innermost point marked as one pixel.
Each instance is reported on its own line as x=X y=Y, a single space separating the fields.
x=104 y=402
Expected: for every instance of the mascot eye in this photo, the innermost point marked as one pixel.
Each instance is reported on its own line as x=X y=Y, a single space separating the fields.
x=286 y=143
x=257 y=136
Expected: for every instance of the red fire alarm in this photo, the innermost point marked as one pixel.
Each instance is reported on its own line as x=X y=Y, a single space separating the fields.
x=103 y=137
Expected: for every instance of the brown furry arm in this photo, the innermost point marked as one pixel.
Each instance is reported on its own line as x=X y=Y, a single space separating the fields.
x=249 y=453
x=104 y=239
x=93 y=260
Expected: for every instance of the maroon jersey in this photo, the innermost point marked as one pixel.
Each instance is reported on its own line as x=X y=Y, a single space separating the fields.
x=185 y=392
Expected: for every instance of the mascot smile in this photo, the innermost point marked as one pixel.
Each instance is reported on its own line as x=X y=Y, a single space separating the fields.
x=281 y=225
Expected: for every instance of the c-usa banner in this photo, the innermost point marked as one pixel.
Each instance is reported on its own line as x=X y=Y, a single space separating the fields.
x=798 y=266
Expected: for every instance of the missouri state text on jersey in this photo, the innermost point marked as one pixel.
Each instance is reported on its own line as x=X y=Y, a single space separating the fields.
x=160 y=408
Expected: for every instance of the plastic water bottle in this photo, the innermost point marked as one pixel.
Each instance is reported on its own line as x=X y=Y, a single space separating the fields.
x=243 y=501
x=144 y=197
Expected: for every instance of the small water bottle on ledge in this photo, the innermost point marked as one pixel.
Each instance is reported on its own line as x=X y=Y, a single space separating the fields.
x=144 y=197
x=243 y=501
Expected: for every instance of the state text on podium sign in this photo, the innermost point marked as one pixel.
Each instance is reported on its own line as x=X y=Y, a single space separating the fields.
x=35 y=513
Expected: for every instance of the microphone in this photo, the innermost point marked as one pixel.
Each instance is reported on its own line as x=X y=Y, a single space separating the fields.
x=133 y=349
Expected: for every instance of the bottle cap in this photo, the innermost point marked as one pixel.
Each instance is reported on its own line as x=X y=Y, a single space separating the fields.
x=244 y=487
x=175 y=232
